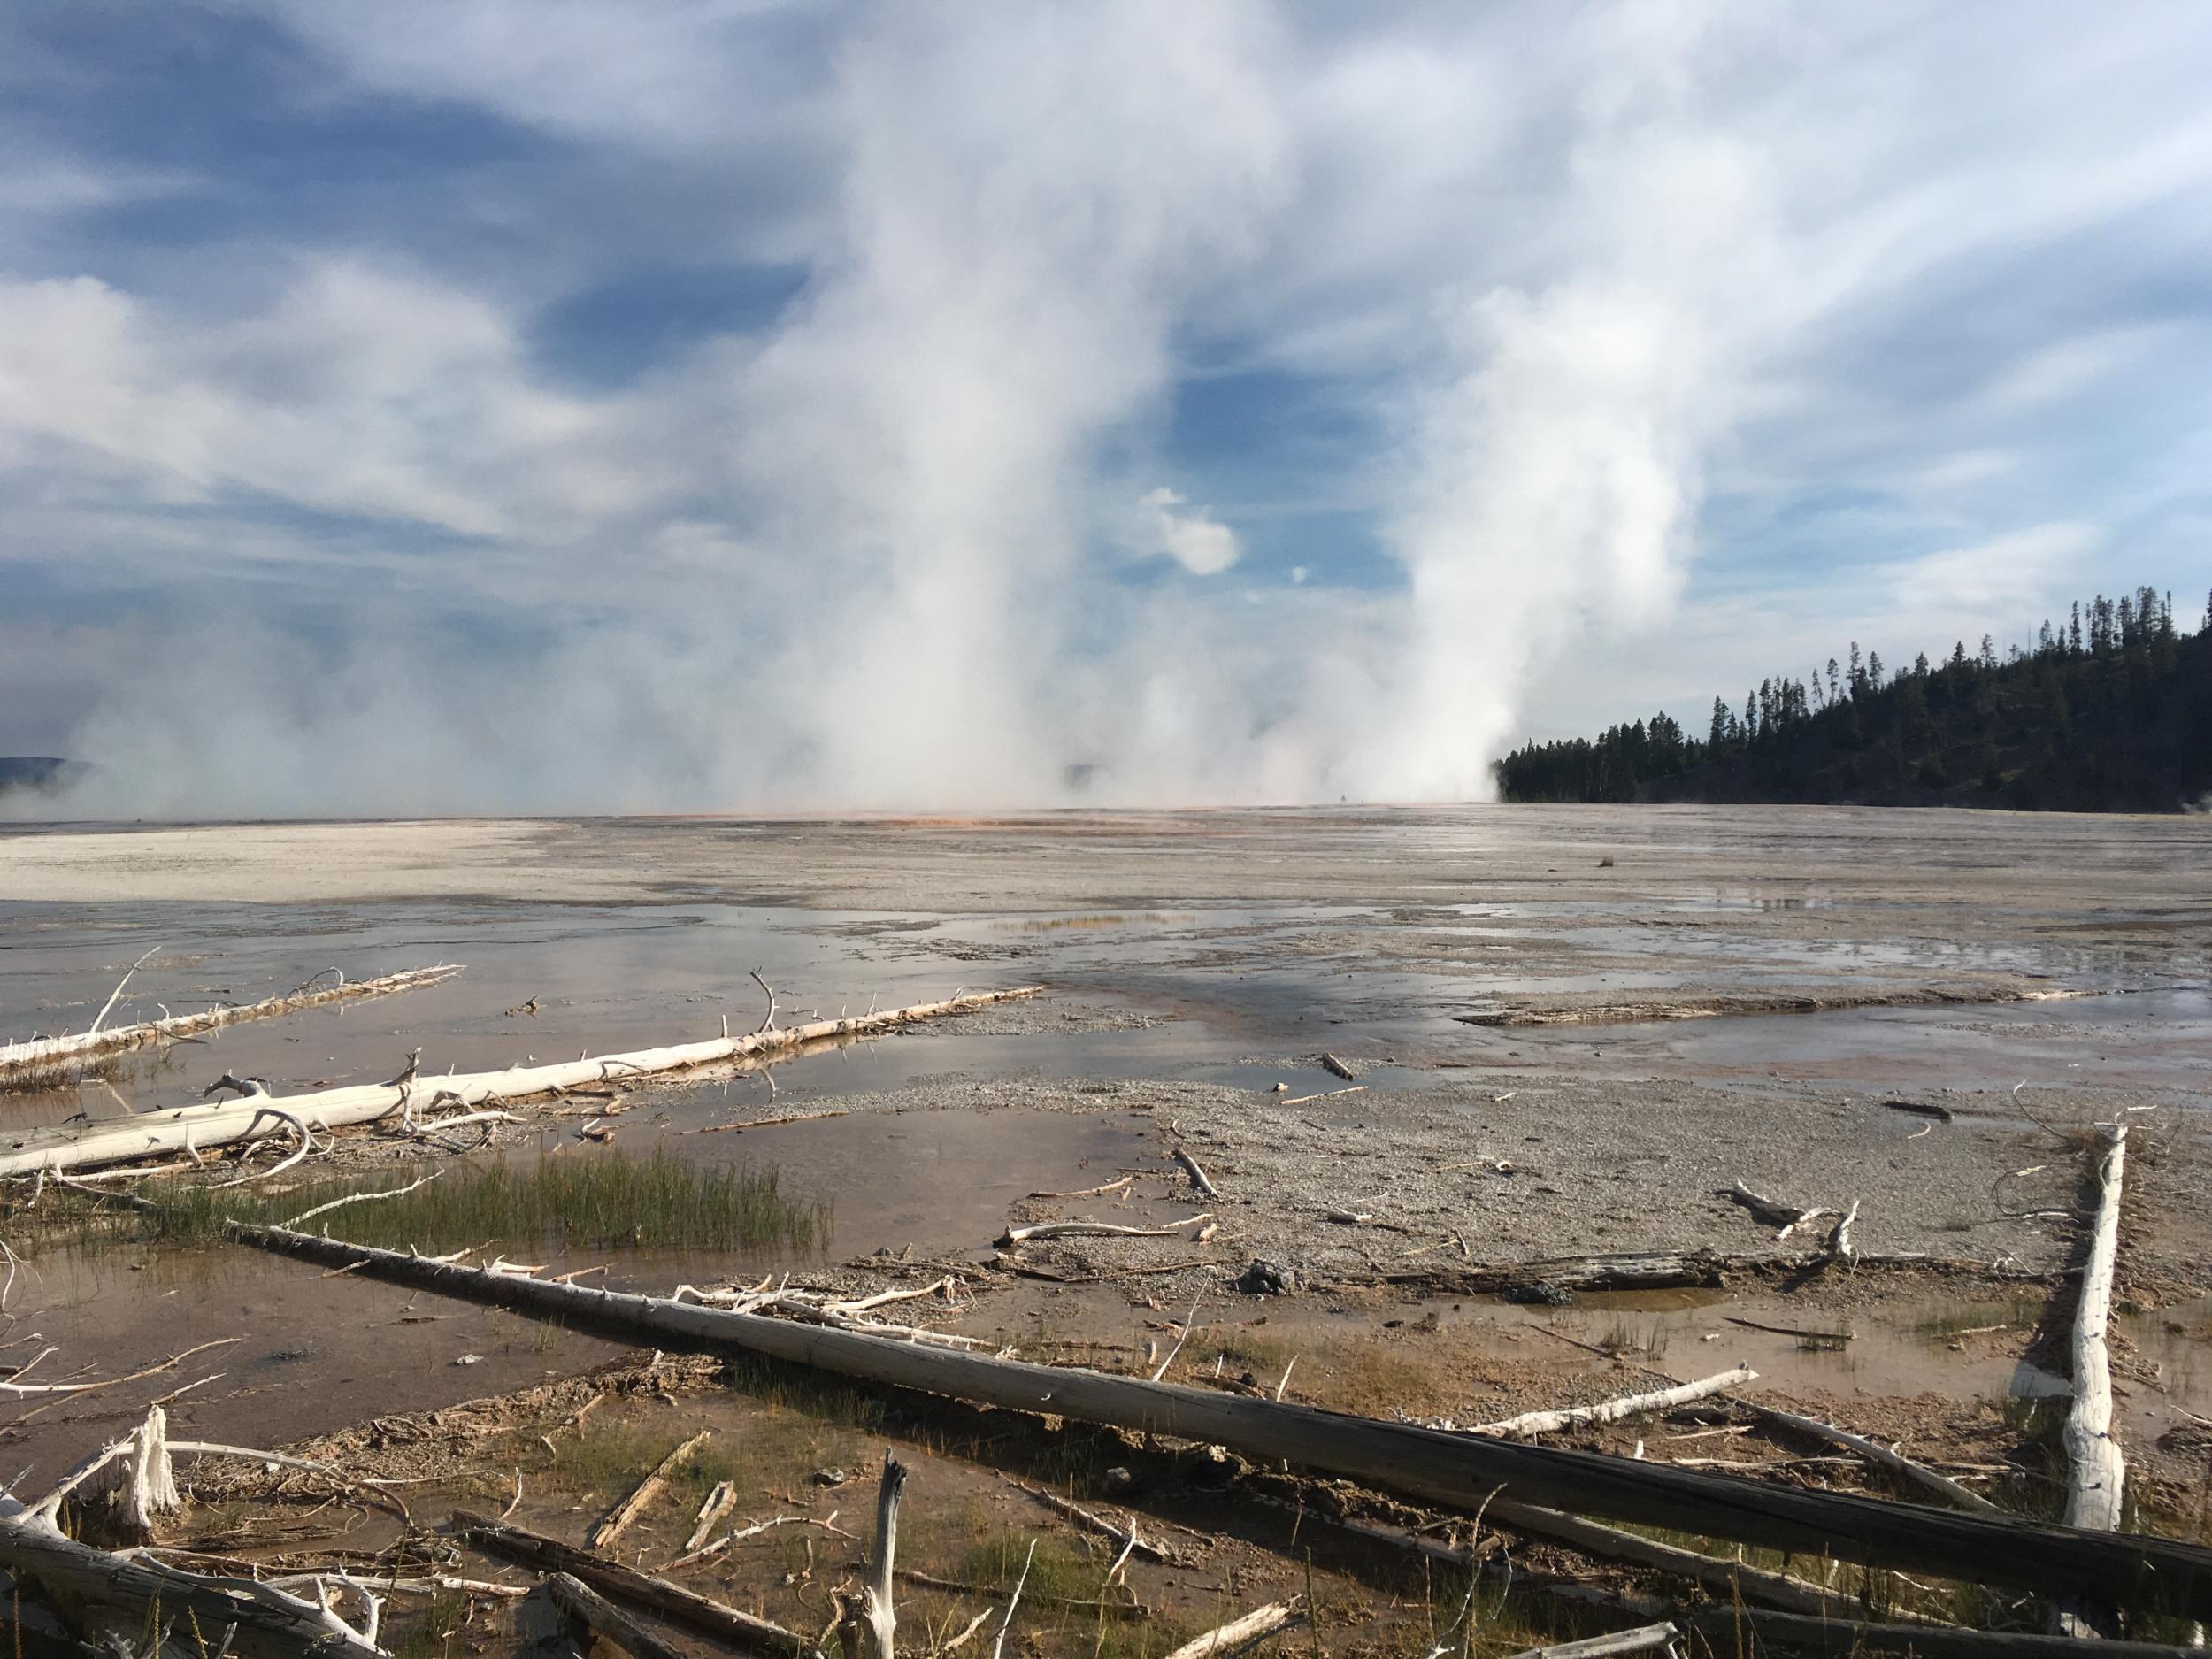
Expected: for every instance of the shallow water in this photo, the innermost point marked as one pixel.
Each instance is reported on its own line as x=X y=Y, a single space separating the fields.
x=1416 y=917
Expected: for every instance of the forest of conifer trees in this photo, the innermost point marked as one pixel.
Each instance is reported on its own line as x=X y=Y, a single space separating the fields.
x=2110 y=711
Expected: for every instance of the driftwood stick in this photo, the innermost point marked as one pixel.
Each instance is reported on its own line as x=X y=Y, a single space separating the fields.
x=1730 y=1580
x=27 y=1062
x=719 y=1503
x=1840 y=1248
x=1239 y=1634
x=998 y=1647
x=1197 y=1176
x=603 y=1618
x=617 y=1520
x=1092 y=1230
x=2096 y=1475
x=1640 y=1640
x=1896 y=1463
x=100 y=1018
x=679 y=1605
x=1119 y=1185
x=1422 y=1464
x=1104 y=1528
x=183 y=1128
x=1615 y=1410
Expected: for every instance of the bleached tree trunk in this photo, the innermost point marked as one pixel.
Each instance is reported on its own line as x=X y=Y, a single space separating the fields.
x=25 y=1062
x=2096 y=1473
x=196 y=1129
x=1424 y=1465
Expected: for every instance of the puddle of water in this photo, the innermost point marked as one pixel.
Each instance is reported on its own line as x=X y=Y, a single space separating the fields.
x=320 y=1353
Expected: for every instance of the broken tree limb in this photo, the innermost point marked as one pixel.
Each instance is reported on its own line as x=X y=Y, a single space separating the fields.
x=1095 y=1522
x=672 y=1601
x=2096 y=1475
x=1943 y=1485
x=1787 y=1218
x=617 y=1520
x=23 y=1061
x=97 y=1591
x=1615 y=1410
x=1424 y=1465
x=868 y=1628
x=199 y=1128
x=603 y=1618
x=1641 y=1639
x=1239 y=1634
x=1330 y=1062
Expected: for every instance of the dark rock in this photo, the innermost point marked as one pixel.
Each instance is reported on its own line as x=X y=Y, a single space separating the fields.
x=1541 y=1291
x=1265 y=1279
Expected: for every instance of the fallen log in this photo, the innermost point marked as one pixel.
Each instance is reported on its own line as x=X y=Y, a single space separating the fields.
x=2096 y=1475
x=98 y=1593
x=1641 y=1639
x=195 y=1129
x=1728 y=1628
x=617 y=1520
x=1239 y=1634
x=1613 y=1410
x=672 y=1601
x=40 y=1057
x=1423 y=1465
x=603 y=1617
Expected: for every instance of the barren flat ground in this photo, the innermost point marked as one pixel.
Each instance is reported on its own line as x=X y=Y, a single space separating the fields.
x=1433 y=1060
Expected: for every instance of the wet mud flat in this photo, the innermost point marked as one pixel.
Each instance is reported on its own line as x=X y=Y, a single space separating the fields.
x=1195 y=963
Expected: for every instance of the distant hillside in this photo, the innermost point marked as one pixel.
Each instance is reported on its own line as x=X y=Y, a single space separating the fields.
x=35 y=774
x=2110 y=711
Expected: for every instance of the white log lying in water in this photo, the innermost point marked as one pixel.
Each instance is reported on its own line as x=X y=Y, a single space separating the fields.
x=1614 y=1411
x=1424 y=1465
x=40 y=1056
x=195 y=1129
x=2096 y=1474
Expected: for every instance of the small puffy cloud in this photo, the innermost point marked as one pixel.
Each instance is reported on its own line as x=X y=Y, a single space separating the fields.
x=1193 y=540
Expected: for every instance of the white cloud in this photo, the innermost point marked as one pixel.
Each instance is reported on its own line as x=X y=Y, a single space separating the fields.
x=1193 y=540
x=1587 y=272
x=2000 y=577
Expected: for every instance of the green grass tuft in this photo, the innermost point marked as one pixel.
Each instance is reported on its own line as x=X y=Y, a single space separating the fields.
x=599 y=1201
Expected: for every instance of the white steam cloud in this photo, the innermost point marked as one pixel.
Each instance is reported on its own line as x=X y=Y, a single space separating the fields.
x=877 y=551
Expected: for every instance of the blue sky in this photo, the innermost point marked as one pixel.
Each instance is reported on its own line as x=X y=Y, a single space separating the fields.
x=514 y=403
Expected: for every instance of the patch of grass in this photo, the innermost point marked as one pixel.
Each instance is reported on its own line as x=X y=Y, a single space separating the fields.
x=600 y=1201
x=1621 y=1337
x=438 y=1635
x=1059 y=1570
